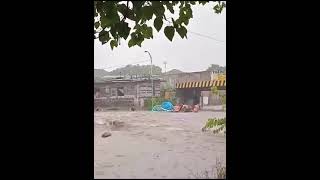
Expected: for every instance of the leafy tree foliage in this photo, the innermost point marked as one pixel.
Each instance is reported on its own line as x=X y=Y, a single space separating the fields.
x=112 y=19
x=216 y=68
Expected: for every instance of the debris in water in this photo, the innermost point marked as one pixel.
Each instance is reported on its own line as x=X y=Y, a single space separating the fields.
x=117 y=123
x=106 y=134
x=132 y=108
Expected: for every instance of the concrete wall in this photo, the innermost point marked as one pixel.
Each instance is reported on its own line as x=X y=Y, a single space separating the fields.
x=172 y=79
x=105 y=102
x=106 y=93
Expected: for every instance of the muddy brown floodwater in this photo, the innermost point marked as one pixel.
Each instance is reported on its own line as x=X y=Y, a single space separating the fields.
x=155 y=145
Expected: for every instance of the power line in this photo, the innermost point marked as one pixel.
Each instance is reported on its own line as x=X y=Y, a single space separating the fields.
x=199 y=34
x=206 y=36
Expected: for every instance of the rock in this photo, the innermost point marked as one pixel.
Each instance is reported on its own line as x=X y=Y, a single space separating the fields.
x=106 y=134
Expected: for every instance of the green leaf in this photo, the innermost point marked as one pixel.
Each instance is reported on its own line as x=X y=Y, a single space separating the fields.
x=162 y=10
x=159 y=11
x=218 y=8
x=126 y=11
x=113 y=44
x=122 y=8
x=178 y=21
x=111 y=15
x=182 y=19
x=137 y=4
x=169 y=32
x=136 y=39
x=203 y=2
x=99 y=6
x=113 y=31
x=104 y=37
x=96 y=24
x=170 y=8
x=158 y=23
x=156 y=3
x=186 y=21
x=189 y=12
x=131 y=42
x=148 y=33
x=105 y=21
x=123 y=29
x=182 y=31
x=143 y=27
x=137 y=26
x=140 y=39
x=147 y=12
x=181 y=4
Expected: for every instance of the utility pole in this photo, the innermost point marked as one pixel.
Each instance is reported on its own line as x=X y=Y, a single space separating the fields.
x=151 y=78
x=165 y=66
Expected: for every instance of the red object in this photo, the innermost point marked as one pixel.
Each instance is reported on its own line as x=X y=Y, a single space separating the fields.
x=196 y=108
x=177 y=108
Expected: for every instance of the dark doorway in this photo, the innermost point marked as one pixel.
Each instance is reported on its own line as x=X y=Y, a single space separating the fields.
x=196 y=97
x=189 y=96
x=120 y=91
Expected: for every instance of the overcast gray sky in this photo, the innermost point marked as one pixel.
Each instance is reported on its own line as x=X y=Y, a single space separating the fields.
x=193 y=54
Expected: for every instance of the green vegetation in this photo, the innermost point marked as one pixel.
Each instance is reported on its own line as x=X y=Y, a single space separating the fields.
x=220 y=170
x=216 y=125
x=157 y=101
x=214 y=90
x=216 y=67
x=217 y=172
x=222 y=97
x=116 y=20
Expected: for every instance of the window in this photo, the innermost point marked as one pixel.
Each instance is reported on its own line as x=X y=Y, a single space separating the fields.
x=120 y=91
x=113 y=92
x=107 y=90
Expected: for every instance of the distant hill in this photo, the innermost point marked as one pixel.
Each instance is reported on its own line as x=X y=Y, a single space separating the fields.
x=136 y=70
x=128 y=71
x=174 y=71
x=139 y=70
x=100 y=73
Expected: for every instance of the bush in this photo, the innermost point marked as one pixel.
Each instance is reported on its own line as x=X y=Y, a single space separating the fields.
x=216 y=124
x=217 y=172
x=220 y=170
x=157 y=101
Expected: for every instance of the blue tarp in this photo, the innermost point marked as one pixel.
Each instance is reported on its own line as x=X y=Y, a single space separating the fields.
x=167 y=106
